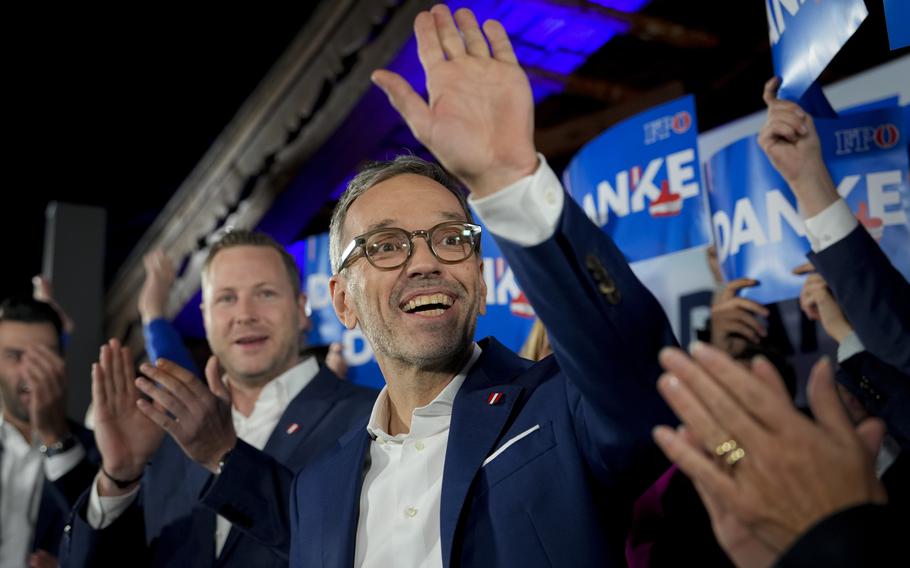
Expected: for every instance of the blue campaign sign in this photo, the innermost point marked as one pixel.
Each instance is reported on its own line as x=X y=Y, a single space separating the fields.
x=640 y=180
x=867 y=154
x=327 y=328
x=897 y=18
x=805 y=37
x=758 y=231
x=509 y=316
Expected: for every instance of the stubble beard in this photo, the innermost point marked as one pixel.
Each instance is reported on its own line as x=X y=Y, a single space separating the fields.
x=9 y=402
x=439 y=352
x=288 y=356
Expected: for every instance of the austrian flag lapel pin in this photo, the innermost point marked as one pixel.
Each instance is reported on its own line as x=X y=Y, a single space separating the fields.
x=494 y=398
x=293 y=428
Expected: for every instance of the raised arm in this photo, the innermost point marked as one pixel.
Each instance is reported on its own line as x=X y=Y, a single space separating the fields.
x=479 y=120
x=871 y=292
x=606 y=328
x=161 y=338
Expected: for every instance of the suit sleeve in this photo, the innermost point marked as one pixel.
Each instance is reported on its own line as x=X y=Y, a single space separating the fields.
x=867 y=535
x=872 y=294
x=606 y=329
x=76 y=480
x=163 y=341
x=253 y=493
x=883 y=391
x=120 y=543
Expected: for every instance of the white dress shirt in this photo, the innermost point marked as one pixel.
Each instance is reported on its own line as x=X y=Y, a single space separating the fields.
x=23 y=470
x=830 y=225
x=525 y=212
x=399 y=523
x=254 y=429
x=400 y=498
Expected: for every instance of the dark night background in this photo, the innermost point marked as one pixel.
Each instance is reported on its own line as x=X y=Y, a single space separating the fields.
x=114 y=109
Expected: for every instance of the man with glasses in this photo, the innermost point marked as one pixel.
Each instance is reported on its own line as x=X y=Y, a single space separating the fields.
x=473 y=456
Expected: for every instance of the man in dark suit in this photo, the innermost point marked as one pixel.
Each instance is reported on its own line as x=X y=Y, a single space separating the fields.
x=46 y=461
x=215 y=491
x=472 y=455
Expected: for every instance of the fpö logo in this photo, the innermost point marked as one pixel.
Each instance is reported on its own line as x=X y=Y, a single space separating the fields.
x=865 y=138
x=663 y=127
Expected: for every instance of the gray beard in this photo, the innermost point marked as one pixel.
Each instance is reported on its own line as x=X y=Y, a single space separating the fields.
x=446 y=357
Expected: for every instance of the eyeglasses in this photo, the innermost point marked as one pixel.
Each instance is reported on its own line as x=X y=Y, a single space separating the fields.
x=450 y=242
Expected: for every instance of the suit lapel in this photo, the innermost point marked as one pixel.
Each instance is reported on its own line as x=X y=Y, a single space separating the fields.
x=49 y=513
x=302 y=416
x=340 y=510
x=298 y=423
x=203 y=533
x=204 y=537
x=476 y=426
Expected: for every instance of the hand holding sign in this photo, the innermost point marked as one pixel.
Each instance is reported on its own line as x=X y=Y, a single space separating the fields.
x=792 y=145
x=818 y=303
x=733 y=319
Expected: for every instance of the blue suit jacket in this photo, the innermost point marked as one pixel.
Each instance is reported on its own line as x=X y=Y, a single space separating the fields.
x=872 y=293
x=883 y=391
x=58 y=497
x=874 y=297
x=172 y=522
x=561 y=494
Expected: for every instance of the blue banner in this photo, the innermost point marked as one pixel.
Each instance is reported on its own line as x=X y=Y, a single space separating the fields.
x=509 y=316
x=641 y=182
x=897 y=20
x=758 y=231
x=805 y=37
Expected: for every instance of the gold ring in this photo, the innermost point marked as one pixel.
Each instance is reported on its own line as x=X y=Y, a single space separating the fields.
x=725 y=448
x=735 y=456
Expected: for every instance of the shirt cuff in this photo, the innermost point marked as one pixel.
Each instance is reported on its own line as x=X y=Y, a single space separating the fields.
x=850 y=346
x=525 y=212
x=103 y=511
x=831 y=225
x=58 y=465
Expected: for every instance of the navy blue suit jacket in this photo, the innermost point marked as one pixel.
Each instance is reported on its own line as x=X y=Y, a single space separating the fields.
x=172 y=521
x=883 y=391
x=864 y=535
x=874 y=296
x=561 y=494
x=58 y=497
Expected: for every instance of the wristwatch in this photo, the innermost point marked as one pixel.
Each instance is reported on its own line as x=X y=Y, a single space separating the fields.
x=65 y=444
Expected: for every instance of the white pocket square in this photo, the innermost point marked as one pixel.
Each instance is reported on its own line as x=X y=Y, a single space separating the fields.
x=511 y=441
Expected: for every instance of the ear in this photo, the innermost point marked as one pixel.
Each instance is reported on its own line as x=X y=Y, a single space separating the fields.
x=483 y=289
x=341 y=301
x=205 y=316
x=305 y=323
